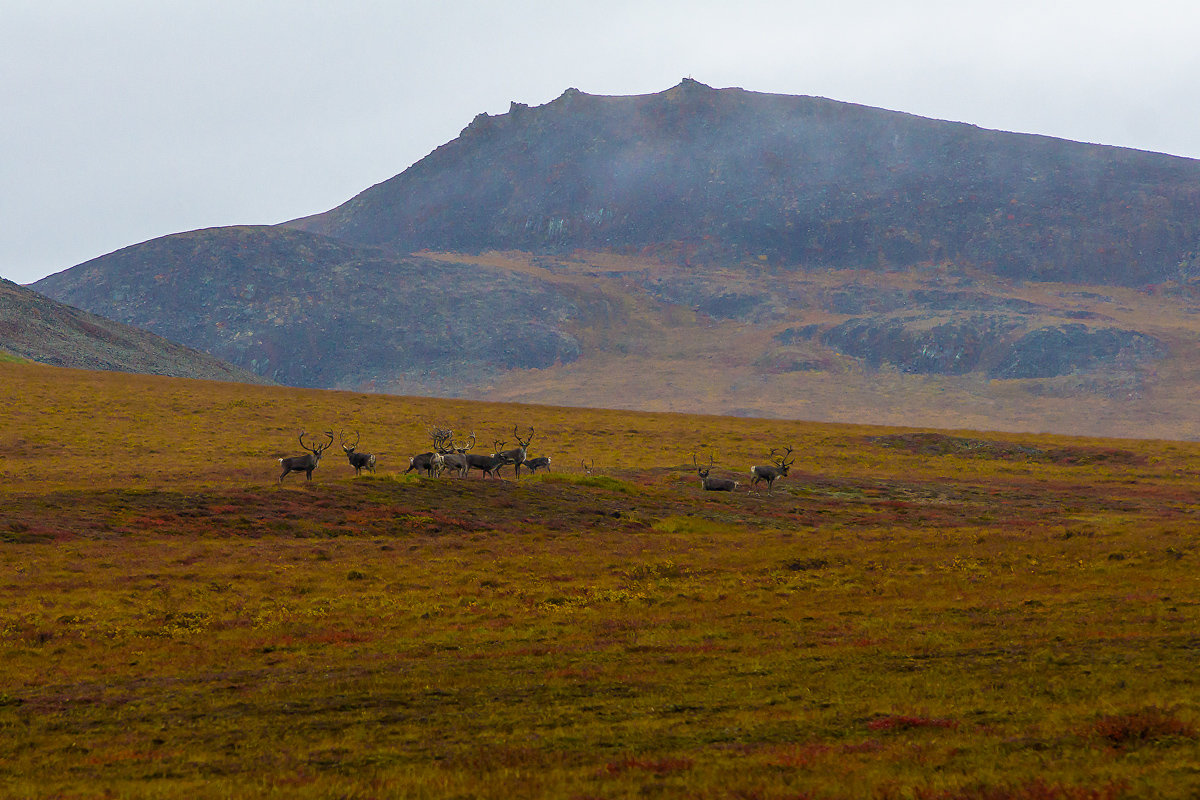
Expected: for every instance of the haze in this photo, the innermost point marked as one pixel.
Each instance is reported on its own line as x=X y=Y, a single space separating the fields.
x=124 y=121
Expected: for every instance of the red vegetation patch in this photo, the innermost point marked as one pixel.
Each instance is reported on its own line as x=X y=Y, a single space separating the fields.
x=1033 y=790
x=940 y=444
x=658 y=766
x=1145 y=726
x=905 y=723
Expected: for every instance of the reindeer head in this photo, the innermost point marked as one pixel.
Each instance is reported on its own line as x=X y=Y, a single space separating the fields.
x=349 y=448
x=702 y=471
x=781 y=460
x=316 y=449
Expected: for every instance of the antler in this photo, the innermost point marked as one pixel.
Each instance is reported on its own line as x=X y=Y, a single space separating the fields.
x=520 y=441
x=342 y=437
x=322 y=448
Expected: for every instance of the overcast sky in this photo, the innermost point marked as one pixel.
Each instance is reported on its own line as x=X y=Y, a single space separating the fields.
x=121 y=121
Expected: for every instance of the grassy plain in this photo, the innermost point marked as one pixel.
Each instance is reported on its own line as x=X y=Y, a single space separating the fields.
x=910 y=615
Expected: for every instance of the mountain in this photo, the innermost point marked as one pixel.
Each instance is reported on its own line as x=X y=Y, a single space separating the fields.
x=719 y=175
x=721 y=251
x=36 y=328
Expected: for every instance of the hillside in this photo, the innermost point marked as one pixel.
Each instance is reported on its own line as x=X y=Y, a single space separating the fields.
x=37 y=328
x=718 y=251
x=908 y=614
x=719 y=175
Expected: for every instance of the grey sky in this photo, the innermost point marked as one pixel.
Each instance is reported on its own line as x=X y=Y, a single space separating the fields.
x=121 y=121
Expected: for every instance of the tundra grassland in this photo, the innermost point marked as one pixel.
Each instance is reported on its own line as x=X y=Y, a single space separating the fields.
x=911 y=614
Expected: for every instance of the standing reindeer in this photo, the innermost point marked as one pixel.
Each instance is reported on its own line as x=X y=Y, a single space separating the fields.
x=516 y=455
x=712 y=484
x=777 y=469
x=305 y=463
x=454 y=456
x=359 y=461
x=431 y=462
x=488 y=465
x=534 y=464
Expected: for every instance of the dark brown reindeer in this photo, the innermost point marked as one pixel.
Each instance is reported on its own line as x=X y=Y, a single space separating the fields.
x=516 y=455
x=489 y=465
x=305 y=463
x=431 y=462
x=534 y=464
x=712 y=484
x=777 y=469
x=359 y=461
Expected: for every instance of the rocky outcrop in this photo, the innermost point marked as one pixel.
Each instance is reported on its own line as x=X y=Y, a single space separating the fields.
x=994 y=344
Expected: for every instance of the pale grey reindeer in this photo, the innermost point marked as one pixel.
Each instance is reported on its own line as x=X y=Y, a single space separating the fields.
x=431 y=462
x=453 y=454
x=516 y=455
x=713 y=484
x=307 y=462
x=359 y=461
x=777 y=469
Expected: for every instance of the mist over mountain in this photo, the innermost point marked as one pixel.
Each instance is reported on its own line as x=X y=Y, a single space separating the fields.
x=722 y=251
x=717 y=175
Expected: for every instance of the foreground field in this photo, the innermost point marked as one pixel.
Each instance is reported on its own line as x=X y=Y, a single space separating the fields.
x=910 y=615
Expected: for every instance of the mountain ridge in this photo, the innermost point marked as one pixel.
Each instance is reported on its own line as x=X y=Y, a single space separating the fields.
x=722 y=251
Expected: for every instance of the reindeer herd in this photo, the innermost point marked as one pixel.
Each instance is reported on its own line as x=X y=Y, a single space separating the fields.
x=453 y=457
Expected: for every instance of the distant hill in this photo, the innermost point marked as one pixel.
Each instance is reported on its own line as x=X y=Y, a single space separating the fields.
x=715 y=175
x=36 y=328
x=719 y=251
x=306 y=310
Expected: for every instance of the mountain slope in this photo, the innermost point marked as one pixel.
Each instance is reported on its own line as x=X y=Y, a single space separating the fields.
x=37 y=328
x=715 y=175
x=306 y=310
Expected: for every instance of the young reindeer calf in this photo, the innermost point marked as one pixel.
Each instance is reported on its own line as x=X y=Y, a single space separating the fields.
x=712 y=484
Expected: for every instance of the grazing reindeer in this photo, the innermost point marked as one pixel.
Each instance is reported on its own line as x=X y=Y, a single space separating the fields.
x=305 y=463
x=713 y=484
x=431 y=462
x=777 y=469
x=534 y=464
x=423 y=462
x=359 y=461
x=516 y=455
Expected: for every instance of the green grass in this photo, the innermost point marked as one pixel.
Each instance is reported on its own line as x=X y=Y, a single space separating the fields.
x=889 y=624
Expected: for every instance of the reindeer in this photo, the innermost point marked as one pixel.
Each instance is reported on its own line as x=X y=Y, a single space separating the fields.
x=430 y=462
x=777 y=469
x=359 y=461
x=454 y=455
x=587 y=468
x=305 y=463
x=516 y=455
x=534 y=464
x=489 y=465
x=712 y=484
